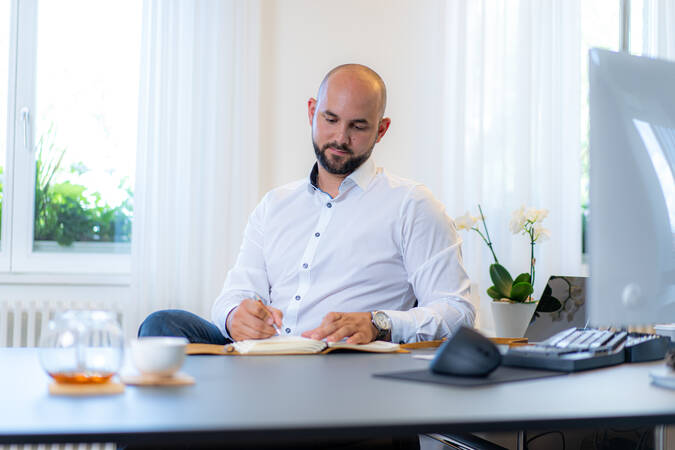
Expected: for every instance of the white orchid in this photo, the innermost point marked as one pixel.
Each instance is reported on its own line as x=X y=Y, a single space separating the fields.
x=540 y=233
x=523 y=220
x=465 y=222
x=536 y=215
x=518 y=220
x=528 y=222
x=468 y=222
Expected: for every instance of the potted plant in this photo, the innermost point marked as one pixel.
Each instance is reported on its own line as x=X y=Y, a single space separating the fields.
x=512 y=303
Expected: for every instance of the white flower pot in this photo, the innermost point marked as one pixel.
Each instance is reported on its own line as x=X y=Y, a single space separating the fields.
x=511 y=319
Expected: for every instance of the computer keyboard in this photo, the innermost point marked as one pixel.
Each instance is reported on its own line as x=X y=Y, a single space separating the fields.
x=577 y=349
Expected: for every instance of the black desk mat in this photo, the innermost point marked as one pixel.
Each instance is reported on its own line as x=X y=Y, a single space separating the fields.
x=502 y=374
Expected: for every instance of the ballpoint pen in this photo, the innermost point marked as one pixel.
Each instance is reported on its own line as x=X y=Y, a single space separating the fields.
x=276 y=328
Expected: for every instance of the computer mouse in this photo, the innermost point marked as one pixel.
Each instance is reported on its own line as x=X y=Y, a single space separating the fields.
x=468 y=353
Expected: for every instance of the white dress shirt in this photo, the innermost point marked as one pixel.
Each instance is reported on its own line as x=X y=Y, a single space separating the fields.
x=380 y=244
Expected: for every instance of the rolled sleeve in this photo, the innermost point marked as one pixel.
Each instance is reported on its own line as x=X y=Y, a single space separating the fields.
x=431 y=249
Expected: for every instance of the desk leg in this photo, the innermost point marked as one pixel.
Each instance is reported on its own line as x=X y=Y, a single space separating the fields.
x=521 y=443
x=464 y=441
x=660 y=437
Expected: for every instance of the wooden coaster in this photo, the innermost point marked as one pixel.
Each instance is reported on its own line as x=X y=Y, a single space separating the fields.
x=109 y=388
x=205 y=349
x=178 y=379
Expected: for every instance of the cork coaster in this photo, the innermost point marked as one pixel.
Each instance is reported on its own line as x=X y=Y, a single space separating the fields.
x=75 y=389
x=178 y=379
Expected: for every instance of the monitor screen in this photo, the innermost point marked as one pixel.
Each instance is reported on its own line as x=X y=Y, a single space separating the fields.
x=632 y=190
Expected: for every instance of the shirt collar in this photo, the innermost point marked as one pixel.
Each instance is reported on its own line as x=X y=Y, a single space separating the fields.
x=364 y=174
x=361 y=176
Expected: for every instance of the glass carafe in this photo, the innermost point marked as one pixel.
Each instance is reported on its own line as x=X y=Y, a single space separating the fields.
x=82 y=347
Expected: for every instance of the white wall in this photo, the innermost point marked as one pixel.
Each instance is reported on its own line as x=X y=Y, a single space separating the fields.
x=402 y=40
x=301 y=40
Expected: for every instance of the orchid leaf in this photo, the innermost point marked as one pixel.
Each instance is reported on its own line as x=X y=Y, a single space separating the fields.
x=494 y=293
x=520 y=292
x=522 y=278
x=502 y=279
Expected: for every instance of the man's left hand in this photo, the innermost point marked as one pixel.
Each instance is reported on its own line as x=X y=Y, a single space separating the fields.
x=335 y=326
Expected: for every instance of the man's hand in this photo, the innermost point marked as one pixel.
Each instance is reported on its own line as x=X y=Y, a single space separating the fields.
x=357 y=326
x=253 y=320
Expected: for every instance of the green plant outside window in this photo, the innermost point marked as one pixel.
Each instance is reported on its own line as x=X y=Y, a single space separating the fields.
x=65 y=212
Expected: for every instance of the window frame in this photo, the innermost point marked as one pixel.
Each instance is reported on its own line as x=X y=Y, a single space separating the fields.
x=7 y=200
x=17 y=255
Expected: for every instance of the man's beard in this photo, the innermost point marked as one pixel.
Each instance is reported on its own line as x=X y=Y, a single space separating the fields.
x=343 y=166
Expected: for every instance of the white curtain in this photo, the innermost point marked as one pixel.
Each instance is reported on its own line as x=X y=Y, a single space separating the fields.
x=658 y=37
x=512 y=130
x=196 y=179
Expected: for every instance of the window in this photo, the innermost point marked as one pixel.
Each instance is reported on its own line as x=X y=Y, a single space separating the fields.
x=72 y=71
x=4 y=74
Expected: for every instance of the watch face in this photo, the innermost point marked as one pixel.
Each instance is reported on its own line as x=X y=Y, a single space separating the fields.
x=382 y=321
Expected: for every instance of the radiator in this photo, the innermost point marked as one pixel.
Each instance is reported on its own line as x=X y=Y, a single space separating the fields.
x=23 y=322
x=21 y=325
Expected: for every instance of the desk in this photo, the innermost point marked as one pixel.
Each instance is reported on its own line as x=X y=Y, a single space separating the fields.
x=260 y=398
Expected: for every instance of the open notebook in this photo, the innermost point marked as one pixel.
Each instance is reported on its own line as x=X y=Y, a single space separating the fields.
x=300 y=345
x=290 y=345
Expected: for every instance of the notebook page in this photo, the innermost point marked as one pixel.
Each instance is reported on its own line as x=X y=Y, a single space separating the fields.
x=375 y=346
x=279 y=344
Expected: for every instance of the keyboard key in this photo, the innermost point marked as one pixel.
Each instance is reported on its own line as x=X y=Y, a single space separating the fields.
x=556 y=338
x=603 y=337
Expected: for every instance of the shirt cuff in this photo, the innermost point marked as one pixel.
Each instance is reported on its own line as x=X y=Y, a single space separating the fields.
x=223 y=306
x=402 y=325
x=224 y=330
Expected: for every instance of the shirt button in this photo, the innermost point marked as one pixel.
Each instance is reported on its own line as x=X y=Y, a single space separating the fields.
x=329 y=205
x=288 y=330
x=304 y=266
x=297 y=297
x=317 y=234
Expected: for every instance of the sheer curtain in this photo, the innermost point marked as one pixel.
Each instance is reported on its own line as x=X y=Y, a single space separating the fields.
x=512 y=130
x=196 y=179
x=658 y=39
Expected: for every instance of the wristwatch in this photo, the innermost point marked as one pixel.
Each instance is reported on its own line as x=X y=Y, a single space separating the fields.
x=382 y=323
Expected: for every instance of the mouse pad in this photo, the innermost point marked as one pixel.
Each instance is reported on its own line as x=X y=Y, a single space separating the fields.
x=501 y=374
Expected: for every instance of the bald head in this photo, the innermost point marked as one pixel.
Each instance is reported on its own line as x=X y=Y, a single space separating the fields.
x=347 y=120
x=361 y=75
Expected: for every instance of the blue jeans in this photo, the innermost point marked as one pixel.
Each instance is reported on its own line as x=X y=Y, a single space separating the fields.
x=176 y=322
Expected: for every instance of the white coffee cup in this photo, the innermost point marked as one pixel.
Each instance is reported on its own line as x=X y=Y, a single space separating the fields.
x=158 y=356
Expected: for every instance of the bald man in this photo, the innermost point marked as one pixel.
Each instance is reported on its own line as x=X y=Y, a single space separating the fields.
x=350 y=253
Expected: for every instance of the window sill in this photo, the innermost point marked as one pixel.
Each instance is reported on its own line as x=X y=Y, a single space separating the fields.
x=123 y=248
x=93 y=262
x=74 y=279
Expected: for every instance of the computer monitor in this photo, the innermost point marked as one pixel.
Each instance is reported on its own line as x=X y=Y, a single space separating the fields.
x=632 y=190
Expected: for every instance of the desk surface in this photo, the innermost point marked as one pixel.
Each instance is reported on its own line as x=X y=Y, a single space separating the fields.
x=321 y=395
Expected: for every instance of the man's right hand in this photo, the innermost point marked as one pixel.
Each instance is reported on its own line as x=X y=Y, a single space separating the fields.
x=252 y=320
